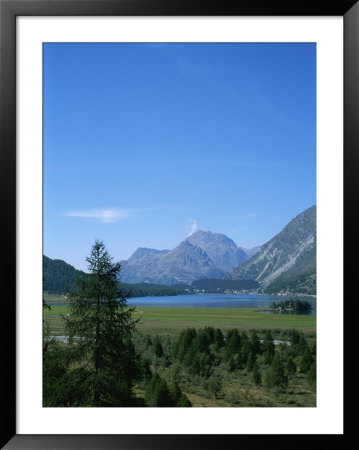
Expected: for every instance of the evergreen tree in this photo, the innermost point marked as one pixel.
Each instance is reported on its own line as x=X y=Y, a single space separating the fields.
x=190 y=355
x=245 y=352
x=251 y=359
x=184 y=402
x=290 y=367
x=268 y=348
x=256 y=374
x=255 y=344
x=178 y=398
x=307 y=361
x=218 y=339
x=201 y=365
x=157 y=347
x=184 y=343
x=301 y=346
x=276 y=376
x=100 y=326
x=233 y=342
x=201 y=342
x=157 y=392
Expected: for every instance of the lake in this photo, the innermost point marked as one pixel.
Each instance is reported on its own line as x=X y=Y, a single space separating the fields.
x=216 y=301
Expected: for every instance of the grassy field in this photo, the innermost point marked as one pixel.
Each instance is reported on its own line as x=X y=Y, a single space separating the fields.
x=242 y=393
x=173 y=320
x=245 y=394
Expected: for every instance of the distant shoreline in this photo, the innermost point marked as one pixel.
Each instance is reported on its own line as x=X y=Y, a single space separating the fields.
x=58 y=299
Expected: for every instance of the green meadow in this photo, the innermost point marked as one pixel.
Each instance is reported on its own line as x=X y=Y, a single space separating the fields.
x=173 y=320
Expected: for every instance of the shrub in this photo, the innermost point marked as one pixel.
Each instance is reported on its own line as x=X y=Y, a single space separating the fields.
x=256 y=376
x=307 y=361
x=276 y=376
x=215 y=385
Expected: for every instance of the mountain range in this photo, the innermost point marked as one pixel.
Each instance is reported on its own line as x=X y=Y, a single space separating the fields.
x=285 y=264
x=203 y=254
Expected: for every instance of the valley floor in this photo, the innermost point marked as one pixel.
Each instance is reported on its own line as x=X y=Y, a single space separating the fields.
x=174 y=320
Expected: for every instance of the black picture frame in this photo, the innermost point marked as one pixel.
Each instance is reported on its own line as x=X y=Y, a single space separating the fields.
x=9 y=10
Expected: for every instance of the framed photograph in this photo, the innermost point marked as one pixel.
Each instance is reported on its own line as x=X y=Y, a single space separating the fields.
x=205 y=149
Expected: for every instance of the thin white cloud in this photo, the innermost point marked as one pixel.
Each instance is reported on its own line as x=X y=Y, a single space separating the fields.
x=103 y=215
x=193 y=227
x=111 y=215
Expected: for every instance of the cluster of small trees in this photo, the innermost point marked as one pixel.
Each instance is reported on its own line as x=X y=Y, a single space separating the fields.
x=197 y=349
x=159 y=394
x=201 y=351
x=295 y=305
x=208 y=357
x=289 y=360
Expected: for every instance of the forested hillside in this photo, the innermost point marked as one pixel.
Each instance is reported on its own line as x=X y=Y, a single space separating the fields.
x=59 y=278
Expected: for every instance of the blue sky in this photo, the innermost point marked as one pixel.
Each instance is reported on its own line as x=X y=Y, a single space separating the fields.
x=144 y=143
